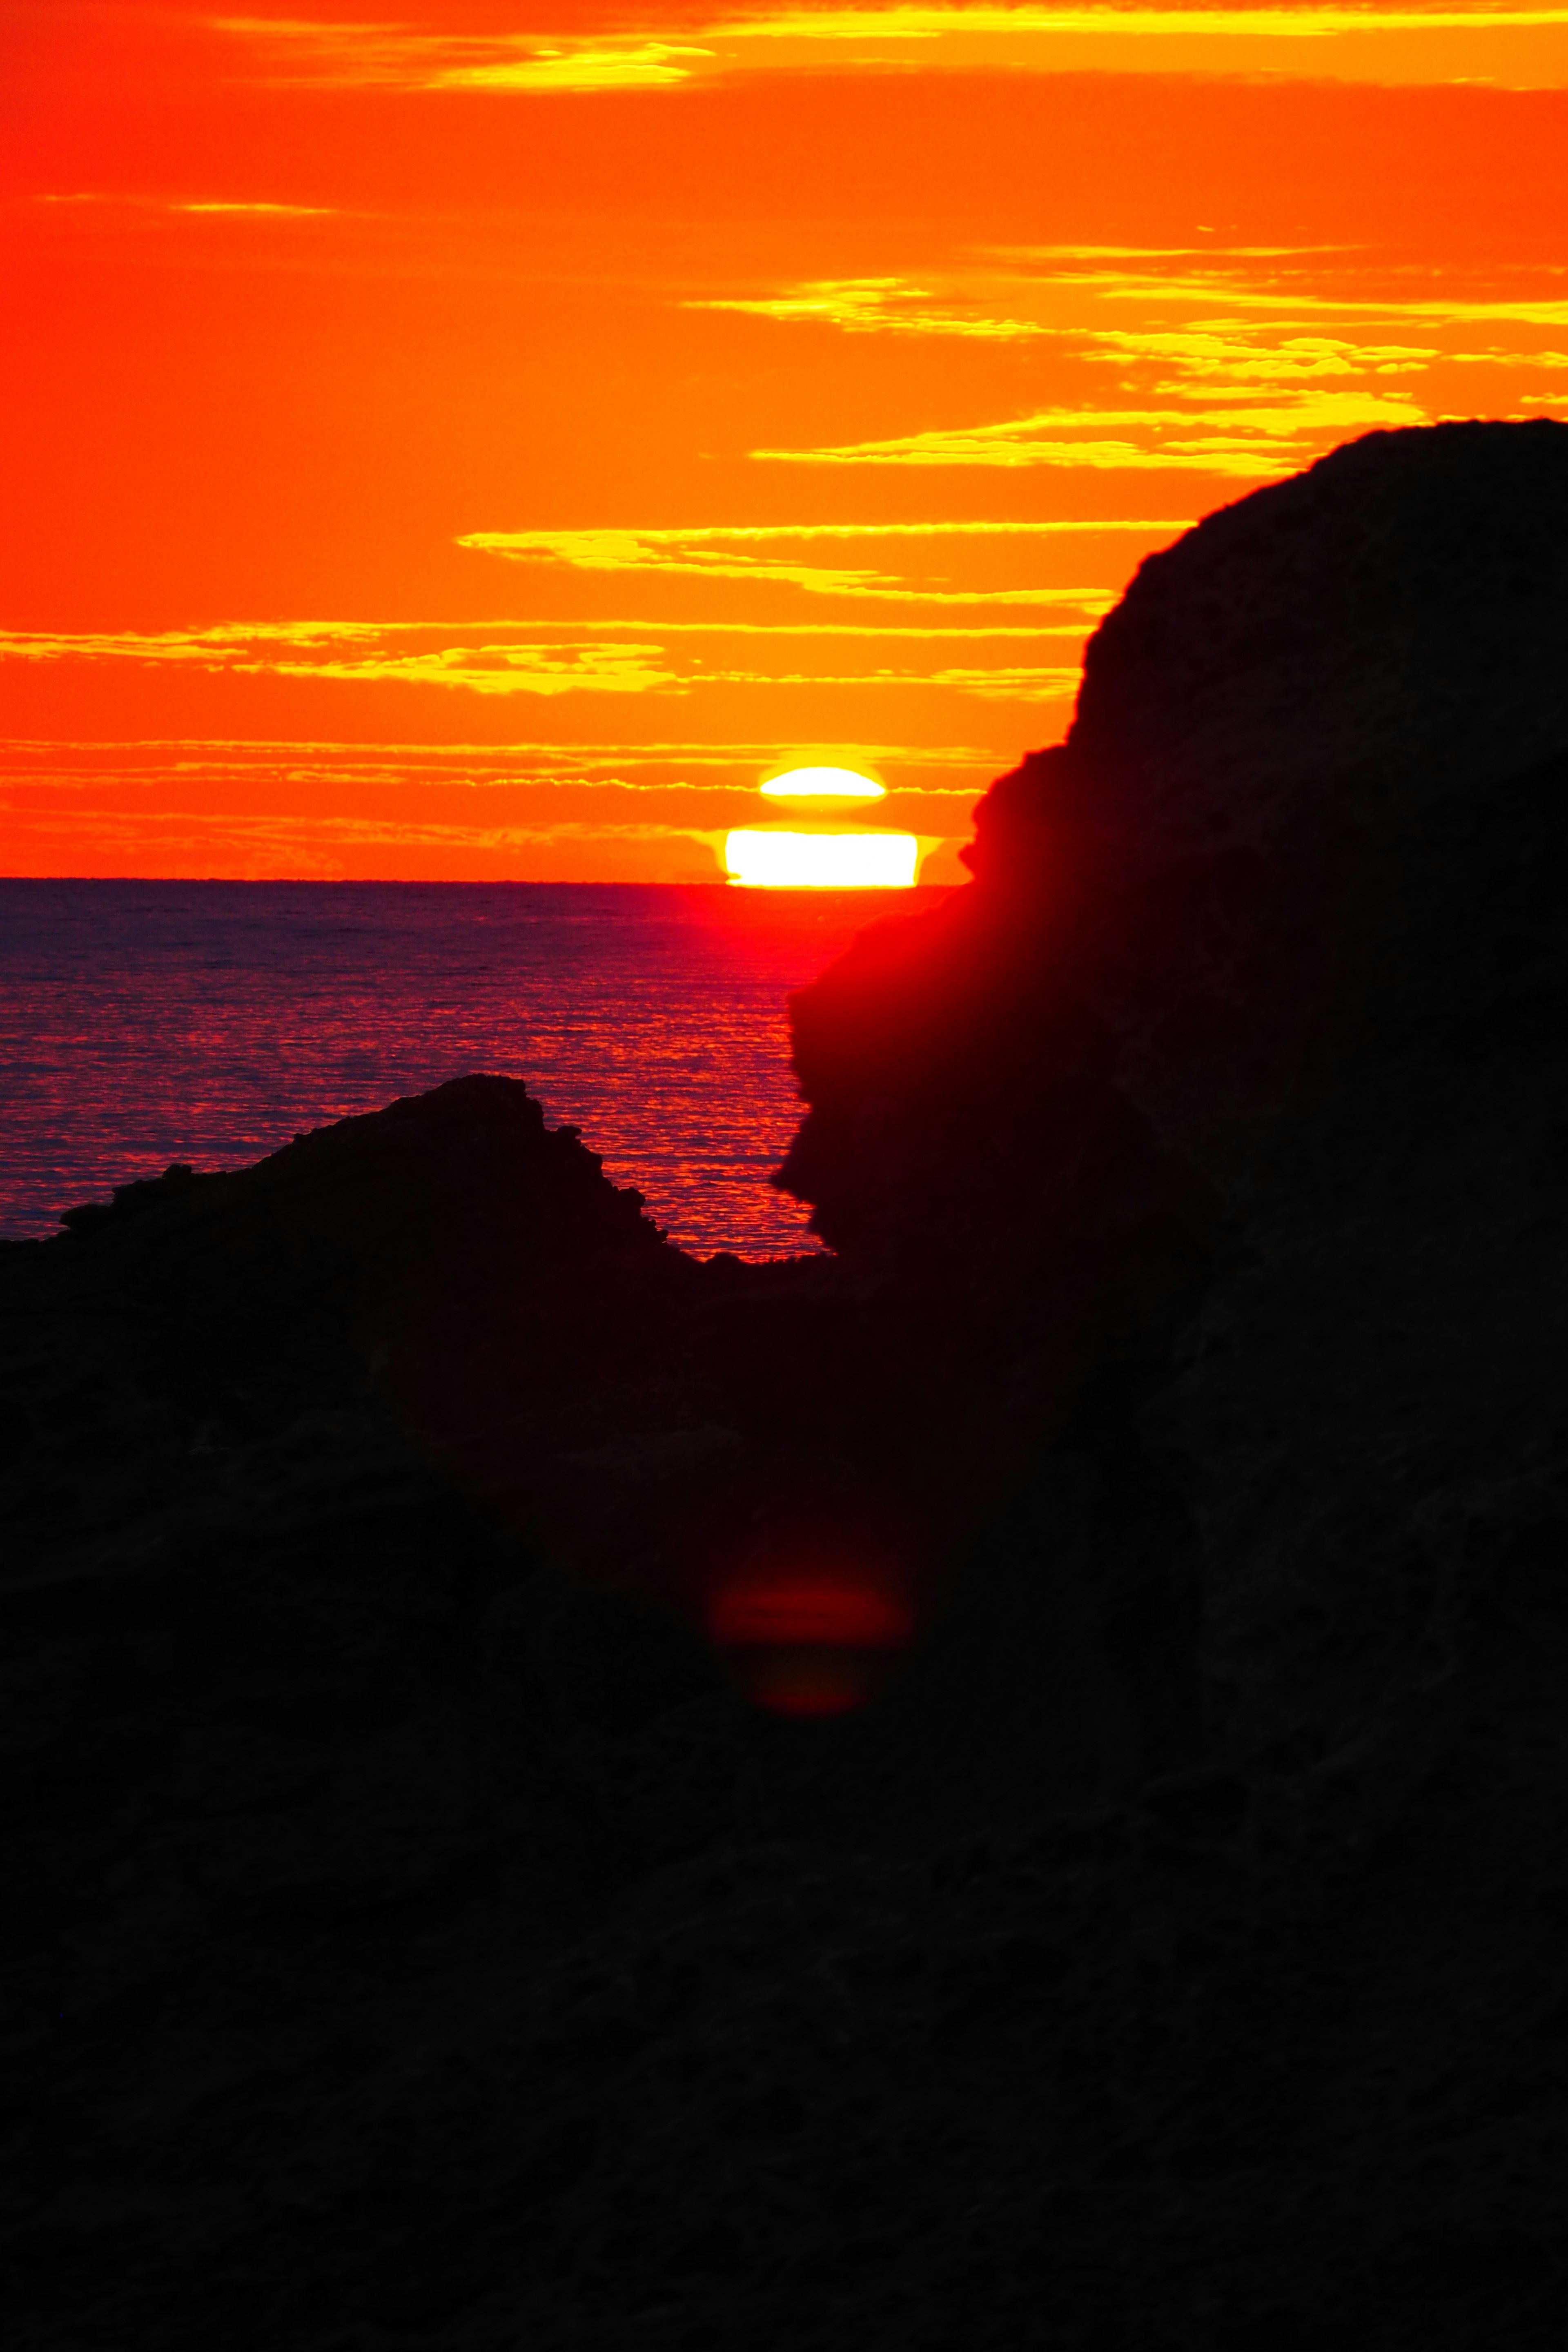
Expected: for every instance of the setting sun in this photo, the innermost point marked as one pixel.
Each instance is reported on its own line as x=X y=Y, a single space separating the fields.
x=823 y=785
x=762 y=860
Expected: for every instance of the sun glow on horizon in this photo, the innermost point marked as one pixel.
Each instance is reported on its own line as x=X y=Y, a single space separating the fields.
x=765 y=860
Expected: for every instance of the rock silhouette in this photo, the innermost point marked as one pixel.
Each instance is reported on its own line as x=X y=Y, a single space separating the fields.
x=1257 y=989
x=418 y=1937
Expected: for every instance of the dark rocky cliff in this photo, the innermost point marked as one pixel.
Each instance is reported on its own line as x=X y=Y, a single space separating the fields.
x=416 y=1938
x=1259 y=995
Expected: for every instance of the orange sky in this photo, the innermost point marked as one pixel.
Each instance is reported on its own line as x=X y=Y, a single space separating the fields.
x=459 y=440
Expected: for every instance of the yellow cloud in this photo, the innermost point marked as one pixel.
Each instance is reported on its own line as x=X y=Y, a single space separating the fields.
x=272 y=211
x=1270 y=344
x=1089 y=601
x=592 y=549
x=1129 y=286
x=580 y=65
x=365 y=651
x=1233 y=356
x=873 y=306
x=1306 y=22
x=1550 y=360
x=395 y=56
x=198 y=751
x=260 y=206
x=720 y=552
x=1016 y=447
x=1003 y=682
x=1352 y=39
x=1241 y=352
x=1210 y=249
x=1003 y=685
x=1520 y=46
x=520 y=761
x=497 y=658
x=1261 y=440
x=217 y=646
x=501 y=669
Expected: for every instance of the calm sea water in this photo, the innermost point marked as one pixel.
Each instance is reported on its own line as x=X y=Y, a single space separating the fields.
x=147 y=1022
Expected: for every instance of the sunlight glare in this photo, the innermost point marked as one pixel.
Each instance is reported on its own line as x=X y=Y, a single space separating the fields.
x=821 y=861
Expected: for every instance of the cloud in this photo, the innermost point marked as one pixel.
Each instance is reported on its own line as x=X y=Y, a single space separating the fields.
x=269 y=211
x=1359 y=41
x=391 y=829
x=1008 y=684
x=1274 y=377
x=1274 y=347
x=258 y=207
x=604 y=549
x=908 y=20
x=1089 y=601
x=1005 y=681
x=1347 y=39
x=1232 y=354
x=629 y=65
x=722 y=551
x=861 y=306
x=1242 y=351
x=1550 y=360
x=1212 y=248
x=1142 y=287
x=684 y=782
x=547 y=762
x=504 y=669
x=1263 y=439
x=396 y=56
x=1019 y=443
x=367 y=652
x=488 y=660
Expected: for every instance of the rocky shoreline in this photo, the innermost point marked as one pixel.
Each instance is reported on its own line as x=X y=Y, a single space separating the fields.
x=420 y=1938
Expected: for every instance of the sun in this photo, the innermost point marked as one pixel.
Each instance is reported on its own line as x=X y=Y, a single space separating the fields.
x=761 y=859
x=822 y=856
x=823 y=785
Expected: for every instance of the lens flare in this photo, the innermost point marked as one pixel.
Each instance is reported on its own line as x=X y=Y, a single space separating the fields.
x=760 y=860
x=810 y=1641
x=809 y=1606
x=808 y=1681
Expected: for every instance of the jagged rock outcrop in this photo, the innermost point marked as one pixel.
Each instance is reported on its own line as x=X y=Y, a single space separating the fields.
x=1263 y=981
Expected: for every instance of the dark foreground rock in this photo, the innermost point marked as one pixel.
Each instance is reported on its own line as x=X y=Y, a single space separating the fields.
x=418 y=1939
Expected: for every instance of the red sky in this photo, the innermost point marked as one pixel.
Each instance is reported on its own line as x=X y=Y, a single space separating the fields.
x=455 y=440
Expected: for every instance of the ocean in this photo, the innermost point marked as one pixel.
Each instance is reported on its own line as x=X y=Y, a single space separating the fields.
x=143 y=1023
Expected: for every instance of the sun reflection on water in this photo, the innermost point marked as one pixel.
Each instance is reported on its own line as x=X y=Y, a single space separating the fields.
x=146 y=1023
